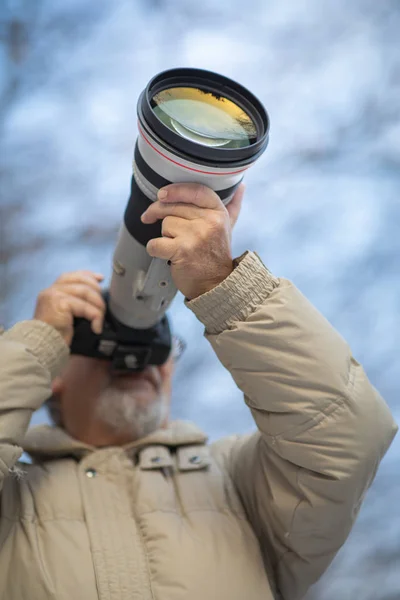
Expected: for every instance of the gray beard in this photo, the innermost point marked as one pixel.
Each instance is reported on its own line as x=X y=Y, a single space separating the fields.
x=124 y=414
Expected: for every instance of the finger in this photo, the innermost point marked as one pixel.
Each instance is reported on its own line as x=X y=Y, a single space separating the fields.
x=88 y=277
x=80 y=308
x=235 y=204
x=191 y=193
x=160 y=210
x=84 y=292
x=82 y=273
x=163 y=248
x=173 y=226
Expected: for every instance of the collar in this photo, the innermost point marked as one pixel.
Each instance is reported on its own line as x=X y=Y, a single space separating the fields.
x=48 y=441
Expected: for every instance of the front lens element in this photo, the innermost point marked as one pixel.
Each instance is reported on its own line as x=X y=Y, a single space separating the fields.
x=204 y=117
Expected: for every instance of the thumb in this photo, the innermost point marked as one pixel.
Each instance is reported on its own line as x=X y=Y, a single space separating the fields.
x=235 y=204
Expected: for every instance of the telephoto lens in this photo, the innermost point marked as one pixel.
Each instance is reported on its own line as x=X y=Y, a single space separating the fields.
x=194 y=126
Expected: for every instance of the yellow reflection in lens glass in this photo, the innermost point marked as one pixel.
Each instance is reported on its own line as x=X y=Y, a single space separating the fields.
x=204 y=117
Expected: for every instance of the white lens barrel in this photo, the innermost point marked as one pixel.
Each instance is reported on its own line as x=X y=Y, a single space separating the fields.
x=178 y=170
x=142 y=288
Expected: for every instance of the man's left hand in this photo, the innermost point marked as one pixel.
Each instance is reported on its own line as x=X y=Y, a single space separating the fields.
x=196 y=230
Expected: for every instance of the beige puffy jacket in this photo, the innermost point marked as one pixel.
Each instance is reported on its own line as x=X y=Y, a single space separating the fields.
x=170 y=517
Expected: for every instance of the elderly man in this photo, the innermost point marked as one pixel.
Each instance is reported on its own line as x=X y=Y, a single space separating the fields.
x=119 y=503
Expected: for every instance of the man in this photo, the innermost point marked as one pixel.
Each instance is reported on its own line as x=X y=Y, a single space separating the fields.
x=119 y=503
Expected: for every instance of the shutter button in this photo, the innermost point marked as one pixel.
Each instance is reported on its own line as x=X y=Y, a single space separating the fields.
x=195 y=460
x=91 y=473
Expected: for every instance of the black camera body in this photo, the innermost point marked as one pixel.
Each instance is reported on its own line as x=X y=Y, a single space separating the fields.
x=127 y=349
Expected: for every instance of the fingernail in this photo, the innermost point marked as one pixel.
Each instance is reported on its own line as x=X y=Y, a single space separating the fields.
x=143 y=217
x=162 y=194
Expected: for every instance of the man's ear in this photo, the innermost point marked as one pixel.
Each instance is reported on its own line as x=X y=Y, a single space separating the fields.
x=57 y=386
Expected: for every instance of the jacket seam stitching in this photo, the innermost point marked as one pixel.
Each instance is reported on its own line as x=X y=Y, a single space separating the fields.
x=188 y=511
x=337 y=402
x=299 y=473
x=38 y=520
x=288 y=550
x=146 y=555
x=4 y=468
x=41 y=562
x=228 y=481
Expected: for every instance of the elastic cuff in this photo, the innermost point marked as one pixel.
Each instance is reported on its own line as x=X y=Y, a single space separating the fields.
x=237 y=297
x=43 y=341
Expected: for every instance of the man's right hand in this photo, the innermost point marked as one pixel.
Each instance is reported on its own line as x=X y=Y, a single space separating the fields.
x=76 y=294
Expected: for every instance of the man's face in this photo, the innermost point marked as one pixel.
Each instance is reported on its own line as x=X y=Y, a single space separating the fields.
x=97 y=403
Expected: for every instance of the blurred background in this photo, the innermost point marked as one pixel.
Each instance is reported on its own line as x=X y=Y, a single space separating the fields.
x=322 y=205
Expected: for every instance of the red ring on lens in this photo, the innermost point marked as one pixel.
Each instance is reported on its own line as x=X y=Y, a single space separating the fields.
x=184 y=166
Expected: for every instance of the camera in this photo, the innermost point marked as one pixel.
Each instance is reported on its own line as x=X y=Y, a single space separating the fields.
x=194 y=126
